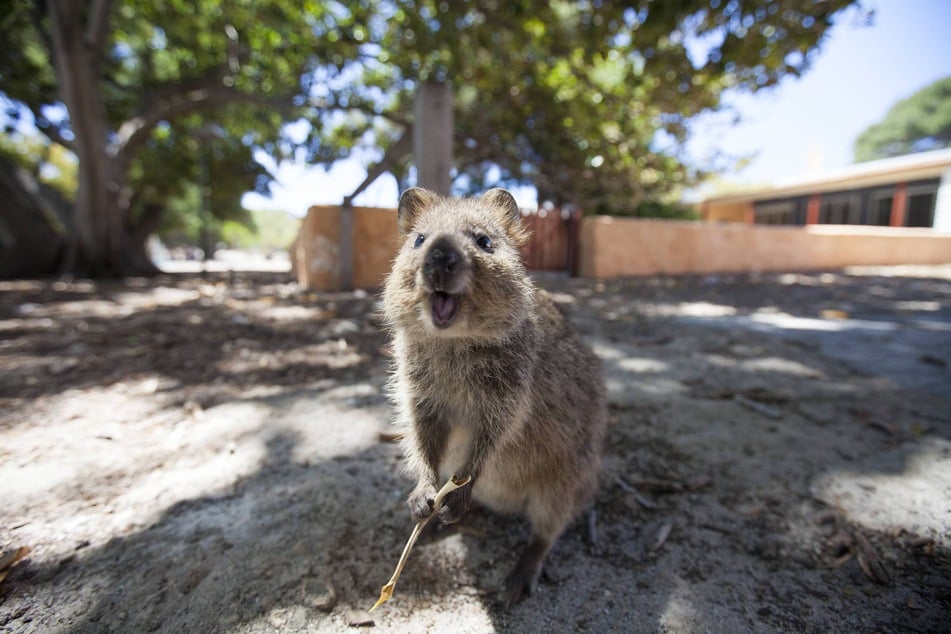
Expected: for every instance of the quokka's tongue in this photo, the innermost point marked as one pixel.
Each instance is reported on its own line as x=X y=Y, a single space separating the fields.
x=444 y=308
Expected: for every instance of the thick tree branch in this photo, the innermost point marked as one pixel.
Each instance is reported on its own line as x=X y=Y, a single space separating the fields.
x=367 y=108
x=172 y=90
x=52 y=133
x=191 y=97
x=402 y=147
x=175 y=99
x=393 y=118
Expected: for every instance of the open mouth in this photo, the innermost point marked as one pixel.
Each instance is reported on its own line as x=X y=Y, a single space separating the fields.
x=444 y=308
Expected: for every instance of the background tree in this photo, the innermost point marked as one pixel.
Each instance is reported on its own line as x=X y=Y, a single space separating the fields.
x=919 y=123
x=127 y=85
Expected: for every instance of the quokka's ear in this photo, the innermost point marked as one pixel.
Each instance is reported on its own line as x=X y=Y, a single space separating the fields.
x=504 y=202
x=412 y=202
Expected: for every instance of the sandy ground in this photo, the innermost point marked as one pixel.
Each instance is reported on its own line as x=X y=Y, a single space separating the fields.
x=210 y=454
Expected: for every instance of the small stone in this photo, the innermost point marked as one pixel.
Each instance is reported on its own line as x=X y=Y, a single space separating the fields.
x=346 y=326
x=278 y=619
x=320 y=594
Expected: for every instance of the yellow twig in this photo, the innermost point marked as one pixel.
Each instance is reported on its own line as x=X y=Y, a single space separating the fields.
x=387 y=590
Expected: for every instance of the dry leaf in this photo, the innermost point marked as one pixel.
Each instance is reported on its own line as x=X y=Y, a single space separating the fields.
x=10 y=559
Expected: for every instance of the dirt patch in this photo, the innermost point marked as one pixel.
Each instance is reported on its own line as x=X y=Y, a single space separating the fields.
x=205 y=454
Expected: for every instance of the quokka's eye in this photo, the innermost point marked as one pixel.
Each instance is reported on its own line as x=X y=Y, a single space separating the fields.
x=485 y=243
x=420 y=239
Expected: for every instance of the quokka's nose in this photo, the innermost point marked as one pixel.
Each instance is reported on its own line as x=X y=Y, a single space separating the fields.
x=441 y=263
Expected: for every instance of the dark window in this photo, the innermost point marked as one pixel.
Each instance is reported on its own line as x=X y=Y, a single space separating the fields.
x=782 y=212
x=880 y=208
x=840 y=209
x=920 y=209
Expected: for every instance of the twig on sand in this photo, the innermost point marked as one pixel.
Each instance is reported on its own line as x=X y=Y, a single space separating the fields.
x=869 y=561
x=765 y=410
x=647 y=503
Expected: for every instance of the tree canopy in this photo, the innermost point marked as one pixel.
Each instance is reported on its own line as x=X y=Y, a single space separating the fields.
x=588 y=100
x=919 y=123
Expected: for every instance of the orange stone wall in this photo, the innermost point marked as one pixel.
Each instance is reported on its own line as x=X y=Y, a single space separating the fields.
x=613 y=247
x=617 y=247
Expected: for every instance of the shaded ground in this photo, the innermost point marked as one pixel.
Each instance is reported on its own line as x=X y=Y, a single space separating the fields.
x=205 y=455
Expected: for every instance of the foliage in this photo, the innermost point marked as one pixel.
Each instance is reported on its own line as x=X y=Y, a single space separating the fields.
x=195 y=172
x=588 y=101
x=656 y=209
x=919 y=123
x=161 y=53
x=269 y=230
x=51 y=163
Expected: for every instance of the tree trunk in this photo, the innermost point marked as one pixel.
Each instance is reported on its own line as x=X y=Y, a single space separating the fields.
x=33 y=227
x=137 y=258
x=102 y=199
x=432 y=136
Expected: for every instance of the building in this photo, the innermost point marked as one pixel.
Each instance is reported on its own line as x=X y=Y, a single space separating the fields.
x=904 y=191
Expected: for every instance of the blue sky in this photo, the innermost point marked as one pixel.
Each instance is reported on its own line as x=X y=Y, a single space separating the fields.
x=799 y=127
x=811 y=123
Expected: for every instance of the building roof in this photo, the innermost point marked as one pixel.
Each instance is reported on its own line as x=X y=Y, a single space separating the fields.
x=909 y=167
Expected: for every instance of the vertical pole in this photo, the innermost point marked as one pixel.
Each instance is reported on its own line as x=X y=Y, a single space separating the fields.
x=812 y=209
x=573 y=236
x=203 y=234
x=345 y=262
x=432 y=136
x=899 y=205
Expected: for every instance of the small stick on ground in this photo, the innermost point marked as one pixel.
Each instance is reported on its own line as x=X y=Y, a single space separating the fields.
x=655 y=486
x=765 y=410
x=869 y=561
x=662 y=534
x=647 y=503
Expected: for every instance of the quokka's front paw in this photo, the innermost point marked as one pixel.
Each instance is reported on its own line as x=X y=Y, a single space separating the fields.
x=421 y=502
x=455 y=504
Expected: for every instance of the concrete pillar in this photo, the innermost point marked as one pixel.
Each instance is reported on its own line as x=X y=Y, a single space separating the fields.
x=899 y=205
x=749 y=213
x=942 y=205
x=432 y=136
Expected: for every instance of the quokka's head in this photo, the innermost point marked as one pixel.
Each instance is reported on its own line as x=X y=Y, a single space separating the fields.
x=459 y=271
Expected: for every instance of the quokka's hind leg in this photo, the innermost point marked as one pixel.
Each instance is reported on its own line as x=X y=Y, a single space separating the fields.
x=548 y=522
x=523 y=579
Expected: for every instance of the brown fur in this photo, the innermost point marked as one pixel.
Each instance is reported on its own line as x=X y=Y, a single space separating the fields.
x=505 y=391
